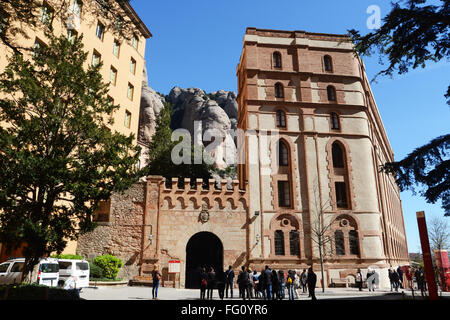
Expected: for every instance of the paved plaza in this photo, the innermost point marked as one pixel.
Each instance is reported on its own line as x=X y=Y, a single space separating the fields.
x=145 y=293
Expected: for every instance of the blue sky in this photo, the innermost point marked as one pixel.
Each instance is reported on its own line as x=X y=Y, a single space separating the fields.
x=198 y=43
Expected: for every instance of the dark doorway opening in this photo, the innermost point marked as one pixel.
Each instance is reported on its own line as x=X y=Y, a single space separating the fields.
x=204 y=249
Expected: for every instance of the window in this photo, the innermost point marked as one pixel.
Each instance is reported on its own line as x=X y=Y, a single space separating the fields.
x=338 y=155
x=279 y=90
x=116 y=48
x=119 y=24
x=130 y=92
x=96 y=58
x=4 y=267
x=334 y=121
x=279 y=243
x=283 y=154
x=133 y=66
x=49 y=267
x=341 y=195
x=276 y=59
x=102 y=213
x=100 y=31
x=353 y=239
x=135 y=42
x=37 y=48
x=284 y=194
x=281 y=119
x=71 y=35
x=76 y=7
x=46 y=14
x=339 y=242
x=327 y=63
x=294 y=242
x=113 y=76
x=127 y=121
x=65 y=265
x=82 y=266
x=331 y=93
x=17 y=267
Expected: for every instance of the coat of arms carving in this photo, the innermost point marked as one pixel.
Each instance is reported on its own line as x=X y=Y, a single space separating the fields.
x=204 y=214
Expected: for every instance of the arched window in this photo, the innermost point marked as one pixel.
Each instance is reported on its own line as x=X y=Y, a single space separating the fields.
x=277 y=59
x=327 y=63
x=353 y=241
x=334 y=121
x=331 y=93
x=281 y=119
x=279 y=243
x=339 y=242
x=279 y=92
x=337 y=155
x=283 y=154
x=294 y=243
x=341 y=195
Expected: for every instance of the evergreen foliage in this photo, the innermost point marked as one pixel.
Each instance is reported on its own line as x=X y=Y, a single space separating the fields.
x=57 y=157
x=409 y=37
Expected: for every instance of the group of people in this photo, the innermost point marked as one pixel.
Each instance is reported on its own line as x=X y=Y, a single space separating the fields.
x=397 y=278
x=268 y=284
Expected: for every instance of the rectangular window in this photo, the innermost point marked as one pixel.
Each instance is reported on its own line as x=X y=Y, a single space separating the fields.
x=133 y=66
x=46 y=14
x=71 y=35
x=130 y=92
x=116 y=48
x=96 y=58
x=113 y=76
x=284 y=194
x=135 y=42
x=102 y=213
x=100 y=31
x=127 y=121
x=279 y=243
x=341 y=195
x=294 y=242
x=76 y=7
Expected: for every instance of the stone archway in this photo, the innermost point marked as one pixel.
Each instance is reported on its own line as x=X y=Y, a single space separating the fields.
x=203 y=249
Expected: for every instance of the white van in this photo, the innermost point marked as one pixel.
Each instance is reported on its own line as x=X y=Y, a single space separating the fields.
x=46 y=272
x=78 y=270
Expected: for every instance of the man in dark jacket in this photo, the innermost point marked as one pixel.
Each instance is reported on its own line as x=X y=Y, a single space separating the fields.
x=243 y=282
x=400 y=276
x=311 y=281
x=229 y=276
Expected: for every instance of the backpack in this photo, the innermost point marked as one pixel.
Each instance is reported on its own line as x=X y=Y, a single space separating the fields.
x=204 y=282
x=289 y=280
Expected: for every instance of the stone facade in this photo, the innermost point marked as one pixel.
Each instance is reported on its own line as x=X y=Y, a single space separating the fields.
x=326 y=136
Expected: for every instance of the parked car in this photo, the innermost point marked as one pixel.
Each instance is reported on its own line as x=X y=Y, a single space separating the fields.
x=46 y=272
x=73 y=274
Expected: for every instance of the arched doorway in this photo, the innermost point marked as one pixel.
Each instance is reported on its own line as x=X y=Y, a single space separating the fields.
x=202 y=250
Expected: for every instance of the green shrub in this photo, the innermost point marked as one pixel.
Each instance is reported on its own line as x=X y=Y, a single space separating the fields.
x=95 y=271
x=109 y=264
x=67 y=256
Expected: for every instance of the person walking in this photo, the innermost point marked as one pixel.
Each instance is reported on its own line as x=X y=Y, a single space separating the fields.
x=243 y=283
x=282 y=279
x=257 y=284
x=400 y=277
x=211 y=283
x=297 y=284
x=268 y=283
x=303 y=280
x=290 y=283
x=420 y=278
x=251 y=284
x=203 y=283
x=359 y=279
x=220 y=283
x=229 y=276
x=395 y=280
x=370 y=279
x=311 y=281
x=276 y=286
x=156 y=276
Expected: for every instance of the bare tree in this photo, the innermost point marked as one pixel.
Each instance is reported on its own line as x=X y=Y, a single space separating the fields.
x=439 y=233
x=319 y=226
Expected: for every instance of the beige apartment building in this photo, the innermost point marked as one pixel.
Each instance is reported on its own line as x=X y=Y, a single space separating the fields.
x=123 y=60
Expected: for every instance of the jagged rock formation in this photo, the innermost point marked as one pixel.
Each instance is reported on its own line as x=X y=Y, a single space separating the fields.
x=217 y=110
